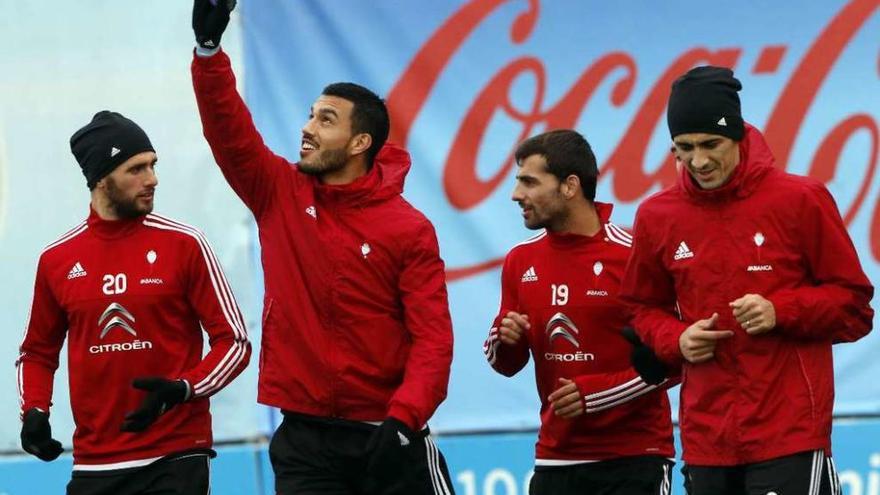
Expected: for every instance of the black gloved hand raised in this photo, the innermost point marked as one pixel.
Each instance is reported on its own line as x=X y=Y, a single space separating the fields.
x=209 y=20
x=162 y=395
x=643 y=359
x=36 y=436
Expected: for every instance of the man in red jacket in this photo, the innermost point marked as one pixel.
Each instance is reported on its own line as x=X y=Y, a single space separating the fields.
x=604 y=428
x=130 y=291
x=766 y=279
x=357 y=338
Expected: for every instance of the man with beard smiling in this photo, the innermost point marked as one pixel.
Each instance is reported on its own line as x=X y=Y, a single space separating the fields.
x=130 y=290
x=605 y=425
x=357 y=338
x=765 y=279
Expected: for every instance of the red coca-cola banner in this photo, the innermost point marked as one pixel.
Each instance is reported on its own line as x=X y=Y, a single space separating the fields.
x=465 y=189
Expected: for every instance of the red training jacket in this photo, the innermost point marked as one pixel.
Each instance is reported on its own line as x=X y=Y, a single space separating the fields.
x=355 y=321
x=567 y=284
x=765 y=232
x=129 y=296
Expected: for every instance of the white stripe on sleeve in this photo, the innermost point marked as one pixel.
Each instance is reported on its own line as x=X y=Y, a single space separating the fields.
x=220 y=375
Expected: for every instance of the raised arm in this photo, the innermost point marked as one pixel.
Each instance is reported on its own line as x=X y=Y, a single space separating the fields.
x=247 y=164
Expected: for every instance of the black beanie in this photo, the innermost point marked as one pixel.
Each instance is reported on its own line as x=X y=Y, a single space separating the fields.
x=705 y=100
x=106 y=143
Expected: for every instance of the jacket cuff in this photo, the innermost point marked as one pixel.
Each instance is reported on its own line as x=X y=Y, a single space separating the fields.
x=785 y=305
x=201 y=57
x=664 y=341
x=206 y=52
x=405 y=416
x=27 y=406
x=669 y=351
x=189 y=390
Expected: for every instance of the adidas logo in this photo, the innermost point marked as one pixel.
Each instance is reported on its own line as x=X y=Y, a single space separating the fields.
x=114 y=151
x=76 y=272
x=683 y=252
x=722 y=122
x=530 y=275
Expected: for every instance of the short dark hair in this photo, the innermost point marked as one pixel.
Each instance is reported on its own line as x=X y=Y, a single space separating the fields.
x=567 y=153
x=369 y=115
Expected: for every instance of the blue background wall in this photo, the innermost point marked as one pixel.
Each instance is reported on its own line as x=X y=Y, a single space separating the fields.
x=811 y=72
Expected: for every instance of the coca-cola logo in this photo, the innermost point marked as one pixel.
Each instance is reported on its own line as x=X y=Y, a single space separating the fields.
x=465 y=189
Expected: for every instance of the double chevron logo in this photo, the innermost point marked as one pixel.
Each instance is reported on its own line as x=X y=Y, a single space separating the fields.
x=116 y=316
x=561 y=326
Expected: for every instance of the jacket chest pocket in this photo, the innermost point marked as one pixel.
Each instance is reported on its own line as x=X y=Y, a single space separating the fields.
x=703 y=269
x=365 y=273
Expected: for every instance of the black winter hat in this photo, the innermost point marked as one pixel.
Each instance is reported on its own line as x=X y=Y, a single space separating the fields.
x=105 y=143
x=705 y=100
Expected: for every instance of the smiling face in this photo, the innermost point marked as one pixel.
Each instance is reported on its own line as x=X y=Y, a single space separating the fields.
x=538 y=192
x=129 y=189
x=326 y=136
x=710 y=159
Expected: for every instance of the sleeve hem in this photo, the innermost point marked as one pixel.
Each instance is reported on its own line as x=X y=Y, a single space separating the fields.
x=404 y=415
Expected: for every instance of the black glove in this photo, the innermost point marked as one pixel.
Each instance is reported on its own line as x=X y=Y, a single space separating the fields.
x=36 y=436
x=643 y=359
x=162 y=395
x=209 y=20
x=388 y=452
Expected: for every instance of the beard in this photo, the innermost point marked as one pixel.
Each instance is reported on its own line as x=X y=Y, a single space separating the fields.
x=324 y=162
x=552 y=215
x=544 y=221
x=125 y=207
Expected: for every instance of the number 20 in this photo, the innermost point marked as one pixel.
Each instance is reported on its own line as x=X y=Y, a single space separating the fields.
x=560 y=295
x=115 y=284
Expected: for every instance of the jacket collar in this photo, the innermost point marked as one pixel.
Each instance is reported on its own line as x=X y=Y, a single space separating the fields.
x=756 y=161
x=384 y=180
x=112 y=229
x=567 y=239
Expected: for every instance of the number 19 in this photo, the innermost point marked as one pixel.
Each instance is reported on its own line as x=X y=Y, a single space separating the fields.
x=560 y=295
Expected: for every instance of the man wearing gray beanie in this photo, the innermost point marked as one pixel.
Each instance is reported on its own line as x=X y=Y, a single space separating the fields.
x=764 y=279
x=130 y=291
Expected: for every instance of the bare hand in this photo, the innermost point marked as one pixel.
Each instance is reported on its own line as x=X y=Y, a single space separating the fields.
x=756 y=314
x=697 y=342
x=566 y=400
x=513 y=325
